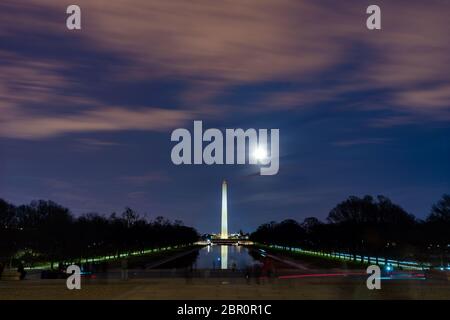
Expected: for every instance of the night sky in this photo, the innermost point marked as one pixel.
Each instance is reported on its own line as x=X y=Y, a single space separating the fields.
x=86 y=116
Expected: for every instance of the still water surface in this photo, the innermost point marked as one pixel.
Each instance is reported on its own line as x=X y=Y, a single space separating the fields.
x=215 y=257
x=223 y=257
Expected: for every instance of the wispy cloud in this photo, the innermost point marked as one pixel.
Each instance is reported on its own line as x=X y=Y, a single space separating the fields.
x=146 y=178
x=97 y=142
x=214 y=47
x=287 y=197
x=34 y=104
x=137 y=195
x=363 y=141
x=100 y=119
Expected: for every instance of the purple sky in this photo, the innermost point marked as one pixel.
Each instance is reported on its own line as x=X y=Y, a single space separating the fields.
x=86 y=116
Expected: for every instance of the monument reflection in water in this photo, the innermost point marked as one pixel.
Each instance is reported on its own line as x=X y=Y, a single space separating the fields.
x=223 y=257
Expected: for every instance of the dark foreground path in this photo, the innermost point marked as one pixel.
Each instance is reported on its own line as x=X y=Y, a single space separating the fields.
x=224 y=288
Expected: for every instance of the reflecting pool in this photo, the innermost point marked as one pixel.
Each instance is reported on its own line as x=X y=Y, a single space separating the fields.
x=223 y=257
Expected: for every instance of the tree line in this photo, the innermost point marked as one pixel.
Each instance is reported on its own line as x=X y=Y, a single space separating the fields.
x=47 y=231
x=368 y=226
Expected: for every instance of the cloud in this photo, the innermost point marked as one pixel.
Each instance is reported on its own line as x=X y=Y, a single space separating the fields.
x=295 y=100
x=365 y=141
x=214 y=47
x=25 y=82
x=435 y=98
x=100 y=119
x=287 y=197
x=146 y=178
x=97 y=143
x=93 y=144
x=57 y=184
x=138 y=195
x=395 y=120
x=37 y=101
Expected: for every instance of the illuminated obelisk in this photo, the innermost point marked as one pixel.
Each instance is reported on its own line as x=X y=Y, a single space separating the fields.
x=224 y=231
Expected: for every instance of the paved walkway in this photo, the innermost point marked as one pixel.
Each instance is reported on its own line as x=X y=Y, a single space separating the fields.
x=214 y=288
x=168 y=259
x=289 y=262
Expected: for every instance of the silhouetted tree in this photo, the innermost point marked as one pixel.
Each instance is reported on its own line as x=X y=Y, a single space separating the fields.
x=364 y=226
x=316 y=233
x=440 y=212
x=51 y=233
x=372 y=226
x=438 y=228
x=9 y=231
x=287 y=233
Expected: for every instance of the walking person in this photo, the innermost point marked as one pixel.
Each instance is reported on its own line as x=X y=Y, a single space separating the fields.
x=248 y=273
x=21 y=270
x=124 y=269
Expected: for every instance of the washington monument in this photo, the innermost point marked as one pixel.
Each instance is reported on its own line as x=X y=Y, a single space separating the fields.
x=224 y=231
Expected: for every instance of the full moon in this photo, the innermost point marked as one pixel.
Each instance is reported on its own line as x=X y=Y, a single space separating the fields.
x=260 y=154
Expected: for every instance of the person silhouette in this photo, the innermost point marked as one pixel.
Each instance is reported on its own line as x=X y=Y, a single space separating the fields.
x=21 y=270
